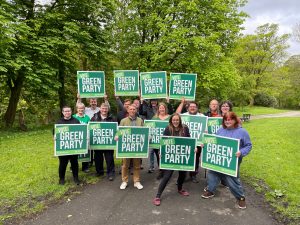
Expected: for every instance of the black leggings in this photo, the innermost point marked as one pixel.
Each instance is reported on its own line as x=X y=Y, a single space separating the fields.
x=63 y=162
x=166 y=177
x=157 y=155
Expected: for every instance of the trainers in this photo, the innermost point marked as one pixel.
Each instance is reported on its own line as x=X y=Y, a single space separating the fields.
x=138 y=185
x=156 y=201
x=183 y=192
x=242 y=203
x=76 y=181
x=123 y=185
x=207 y=194
x=151 y=170
x=86 y=170
x=61 y=181
x=111 y=178
x=194 y=179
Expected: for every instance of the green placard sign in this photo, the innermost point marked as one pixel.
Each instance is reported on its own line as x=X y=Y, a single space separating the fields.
x=182 y=85
x=153 y=85
x=218 y=154
x=157 y=128
x=91 y=84
x=70 y=139
x=133 y=142
x=213 y=124
x=126 y=82
x=177 y=153
x=102 y=135
x=85 y=157
x=197 y=126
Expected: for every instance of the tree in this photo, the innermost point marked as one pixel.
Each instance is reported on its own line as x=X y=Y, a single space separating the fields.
x=289 y=97
x=257 y=56
x=44 y=46
x=180 y=36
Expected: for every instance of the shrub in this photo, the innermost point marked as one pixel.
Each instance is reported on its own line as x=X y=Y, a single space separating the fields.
x=263 y=99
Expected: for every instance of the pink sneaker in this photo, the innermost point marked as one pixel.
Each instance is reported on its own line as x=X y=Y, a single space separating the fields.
x=156 y=201
x=183 y=192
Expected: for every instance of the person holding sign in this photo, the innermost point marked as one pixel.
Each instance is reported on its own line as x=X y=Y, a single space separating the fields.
x=226 y=106
x=192 y=109
x=123 y=109
x=103 y=116
x=63 y=160
x=213 y=109
x=83 y=119
x=175 y=128
x=232 y=129
x=133 y=121
x=161 y=114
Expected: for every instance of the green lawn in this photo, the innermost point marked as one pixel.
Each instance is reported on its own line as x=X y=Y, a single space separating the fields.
x=275 y=159
x=257 y=110
x=29 y=173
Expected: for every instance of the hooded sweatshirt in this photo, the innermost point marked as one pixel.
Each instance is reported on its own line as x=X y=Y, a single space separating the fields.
x=238 y=133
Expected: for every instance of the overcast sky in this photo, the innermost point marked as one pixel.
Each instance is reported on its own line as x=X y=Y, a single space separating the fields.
x=286 y=13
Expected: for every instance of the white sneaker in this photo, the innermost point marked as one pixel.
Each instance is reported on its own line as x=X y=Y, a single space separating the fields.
x=123 y=185
x=138 y=185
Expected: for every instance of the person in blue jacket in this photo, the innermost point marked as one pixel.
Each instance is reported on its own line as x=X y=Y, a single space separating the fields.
x=230 y=128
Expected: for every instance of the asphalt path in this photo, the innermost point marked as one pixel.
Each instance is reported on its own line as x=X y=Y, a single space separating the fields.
x=104 y=203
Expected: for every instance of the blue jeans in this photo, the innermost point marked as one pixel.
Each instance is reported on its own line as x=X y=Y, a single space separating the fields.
x=234 y=183
x=153 y=151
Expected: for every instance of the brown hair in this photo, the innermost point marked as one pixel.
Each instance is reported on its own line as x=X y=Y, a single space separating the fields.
x=180 y=126
x=232 y=116
x=127 y=100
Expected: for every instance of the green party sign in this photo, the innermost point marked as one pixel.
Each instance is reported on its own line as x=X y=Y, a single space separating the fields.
x=177 y=153
x=85 y=157
x=197 y=126
x=102 y=135
x=182 y=85
x=218 y=154
x=126 y=82
x=153 y=85
x=157 y=128
x=91 y=84
x=133 y=142
x=214 y=124
x=70 y=139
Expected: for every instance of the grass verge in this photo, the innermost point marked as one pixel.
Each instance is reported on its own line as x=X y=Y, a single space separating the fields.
x=29 y=174
x=257 y=110
x=273 y=165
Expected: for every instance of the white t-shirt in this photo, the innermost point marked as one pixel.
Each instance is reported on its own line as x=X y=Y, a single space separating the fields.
x=90 y=112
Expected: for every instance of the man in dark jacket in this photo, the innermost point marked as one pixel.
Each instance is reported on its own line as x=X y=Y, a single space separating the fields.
x=63 y=160
x=103 y=116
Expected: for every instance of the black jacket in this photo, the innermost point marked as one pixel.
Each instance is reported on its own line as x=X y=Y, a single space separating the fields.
x=97 y=117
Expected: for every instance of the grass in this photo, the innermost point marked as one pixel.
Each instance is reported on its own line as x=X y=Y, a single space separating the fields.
x=29 y=173
x=257 y=110
x=275 y=160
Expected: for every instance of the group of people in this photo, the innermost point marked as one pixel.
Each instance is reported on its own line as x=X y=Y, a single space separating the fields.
x=132 y=114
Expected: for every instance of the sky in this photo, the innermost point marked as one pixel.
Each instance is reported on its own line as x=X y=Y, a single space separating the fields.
x=286 y=13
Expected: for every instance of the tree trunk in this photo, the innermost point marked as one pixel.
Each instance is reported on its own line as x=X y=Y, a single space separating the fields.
x=15 y=91
x=22 y=124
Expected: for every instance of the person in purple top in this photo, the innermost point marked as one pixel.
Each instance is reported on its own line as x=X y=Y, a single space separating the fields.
x=230 y=128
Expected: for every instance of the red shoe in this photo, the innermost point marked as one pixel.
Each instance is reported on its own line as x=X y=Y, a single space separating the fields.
x=183 y=192
x=156 y=201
